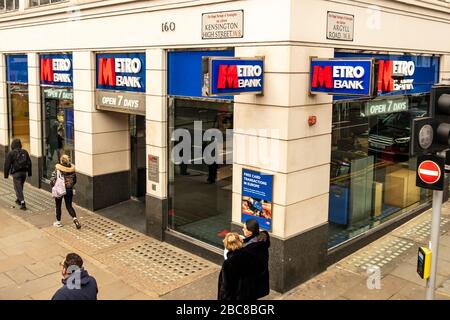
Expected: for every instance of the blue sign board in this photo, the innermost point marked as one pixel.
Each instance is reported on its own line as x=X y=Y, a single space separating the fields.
x=257 y=191
x=185 y=71
x=231 y=76
x=56 y=70
x=17 y=68
x=400 y=74
x=121 y=72
x=352 y=77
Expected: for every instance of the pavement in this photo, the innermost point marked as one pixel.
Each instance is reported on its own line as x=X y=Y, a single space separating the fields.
x=129 y=265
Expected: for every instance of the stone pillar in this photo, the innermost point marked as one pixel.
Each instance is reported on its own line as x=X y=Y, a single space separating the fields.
x=3 y=112
x=444 y=70
x=156 y=130
x=35 y=110
x=102 y=142
x=274 y=127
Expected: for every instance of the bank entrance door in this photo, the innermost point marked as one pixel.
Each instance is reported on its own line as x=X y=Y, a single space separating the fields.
x=138 y=182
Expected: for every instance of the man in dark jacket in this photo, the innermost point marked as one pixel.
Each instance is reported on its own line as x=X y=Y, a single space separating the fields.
x=18 y=164
x=77 y=283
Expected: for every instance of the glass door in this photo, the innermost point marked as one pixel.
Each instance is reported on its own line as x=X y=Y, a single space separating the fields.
x=138 y=181
x=19 y=116
x=58 y=130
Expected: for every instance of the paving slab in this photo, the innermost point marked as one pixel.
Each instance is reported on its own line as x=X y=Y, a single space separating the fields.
x=14 y=292
x=390 y=285
x=21 y=275
x=5 y=281
x=116 y=291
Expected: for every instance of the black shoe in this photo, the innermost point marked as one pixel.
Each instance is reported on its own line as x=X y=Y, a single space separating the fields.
x=77 y=223
x=18 y=202
x=23 y=206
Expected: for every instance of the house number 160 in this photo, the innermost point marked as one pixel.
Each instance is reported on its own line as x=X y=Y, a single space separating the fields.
x=168 y=26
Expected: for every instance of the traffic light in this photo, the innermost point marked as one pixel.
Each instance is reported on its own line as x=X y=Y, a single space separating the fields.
x=432 y=134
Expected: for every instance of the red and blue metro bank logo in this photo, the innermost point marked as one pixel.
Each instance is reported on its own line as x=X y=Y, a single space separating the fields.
x=231 y=76
x=342 y=76
x=121 y=72
x=56 y=70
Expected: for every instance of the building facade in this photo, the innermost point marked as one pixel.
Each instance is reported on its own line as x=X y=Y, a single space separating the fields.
x=122 y=86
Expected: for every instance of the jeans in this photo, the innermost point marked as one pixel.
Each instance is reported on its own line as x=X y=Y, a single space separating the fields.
x=18 y=181
x=68 y=201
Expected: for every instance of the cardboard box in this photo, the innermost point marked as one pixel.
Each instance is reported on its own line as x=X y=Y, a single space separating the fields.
x=400 y=188
x=377 y=198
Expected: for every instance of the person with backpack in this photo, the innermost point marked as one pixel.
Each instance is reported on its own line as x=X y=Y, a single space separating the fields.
x=62 y=181
x=18 y=165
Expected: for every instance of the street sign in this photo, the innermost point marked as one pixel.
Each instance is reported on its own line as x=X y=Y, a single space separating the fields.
x=430 y=172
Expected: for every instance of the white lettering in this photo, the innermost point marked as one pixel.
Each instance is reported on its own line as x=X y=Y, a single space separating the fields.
x=109 y=100
x=348 y=72
x=349 y=84
x=61 y=64
x=249 y=71
x=127 y=81
x=128 y=65
x=61 y=77
x=405 y=68
x=249 y=83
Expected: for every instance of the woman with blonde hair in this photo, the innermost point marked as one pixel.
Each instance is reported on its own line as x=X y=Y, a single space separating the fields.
x=235 y=278
x=67 y=171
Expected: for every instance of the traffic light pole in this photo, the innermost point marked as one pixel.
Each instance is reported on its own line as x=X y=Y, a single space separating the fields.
x=434 y=242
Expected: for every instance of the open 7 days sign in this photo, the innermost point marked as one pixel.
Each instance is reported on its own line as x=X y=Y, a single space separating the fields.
x=121 y=82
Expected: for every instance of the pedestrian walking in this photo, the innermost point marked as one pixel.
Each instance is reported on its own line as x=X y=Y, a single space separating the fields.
x=62 y=181
x=257 y=244
x=18 y=165
x=77 y=283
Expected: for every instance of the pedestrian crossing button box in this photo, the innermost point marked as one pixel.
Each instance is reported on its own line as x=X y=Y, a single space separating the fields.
x=424 y=262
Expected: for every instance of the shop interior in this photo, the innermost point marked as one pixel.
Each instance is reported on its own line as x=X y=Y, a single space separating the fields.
x=200 y=194
x=372 y=174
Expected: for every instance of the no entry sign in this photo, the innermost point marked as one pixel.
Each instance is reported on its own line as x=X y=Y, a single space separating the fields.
x=430 y=172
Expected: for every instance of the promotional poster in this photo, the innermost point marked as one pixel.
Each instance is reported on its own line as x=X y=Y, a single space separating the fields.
x=257 y=190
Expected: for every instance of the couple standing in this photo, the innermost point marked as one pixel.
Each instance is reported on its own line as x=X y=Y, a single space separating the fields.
x=18 y=165
x=245 y=272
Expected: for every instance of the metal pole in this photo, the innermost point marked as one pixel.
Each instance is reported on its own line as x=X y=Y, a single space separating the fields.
x=434 y=242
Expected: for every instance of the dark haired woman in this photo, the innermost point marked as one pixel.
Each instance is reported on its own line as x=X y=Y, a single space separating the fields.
x=257 y=244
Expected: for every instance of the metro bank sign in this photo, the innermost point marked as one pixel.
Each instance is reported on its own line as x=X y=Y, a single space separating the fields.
x=121 y=72
x=56 y=70
x=232 y=76
x=349 y=74
x=342 y=77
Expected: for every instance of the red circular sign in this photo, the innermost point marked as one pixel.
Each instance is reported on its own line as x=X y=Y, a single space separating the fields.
x=429 y=172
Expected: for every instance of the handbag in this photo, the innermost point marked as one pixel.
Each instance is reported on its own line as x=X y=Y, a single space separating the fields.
x=59 y=189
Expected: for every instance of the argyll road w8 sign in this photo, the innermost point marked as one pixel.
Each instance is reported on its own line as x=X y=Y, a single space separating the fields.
x=121 y=82
x=342 y=76
x=232 y=76
x=56 y=70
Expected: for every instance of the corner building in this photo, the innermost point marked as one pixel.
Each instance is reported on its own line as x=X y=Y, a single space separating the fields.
x=116 y=83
